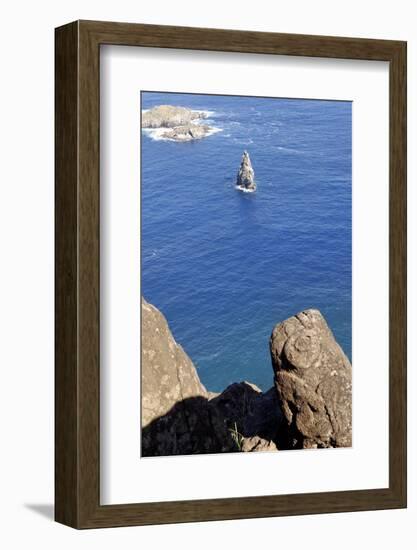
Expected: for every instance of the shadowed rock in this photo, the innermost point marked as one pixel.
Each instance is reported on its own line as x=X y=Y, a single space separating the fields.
x=313 y=378
x=245 y=180
x=252 y=417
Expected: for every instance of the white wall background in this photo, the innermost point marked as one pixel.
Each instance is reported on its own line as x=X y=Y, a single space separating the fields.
x=26 y=271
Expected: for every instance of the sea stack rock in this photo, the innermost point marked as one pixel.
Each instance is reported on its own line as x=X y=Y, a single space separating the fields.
x=313 y=378
x=246 y=176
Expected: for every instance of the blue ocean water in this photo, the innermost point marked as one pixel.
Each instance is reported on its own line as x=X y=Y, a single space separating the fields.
x=225 y=266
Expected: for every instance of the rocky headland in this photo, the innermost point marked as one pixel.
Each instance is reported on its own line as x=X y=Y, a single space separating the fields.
x=308 y=405
x=176 y=123
x=245 y=180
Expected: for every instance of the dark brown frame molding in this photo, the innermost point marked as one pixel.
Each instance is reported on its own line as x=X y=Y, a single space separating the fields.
x=77 y=406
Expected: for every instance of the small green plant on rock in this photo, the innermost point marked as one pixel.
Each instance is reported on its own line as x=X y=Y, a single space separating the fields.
x=237 y=437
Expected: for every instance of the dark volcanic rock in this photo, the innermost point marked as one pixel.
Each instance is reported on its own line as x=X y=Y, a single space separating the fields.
x=249 y=415
x=245 y=180
x=177 y=123
x=313 y=378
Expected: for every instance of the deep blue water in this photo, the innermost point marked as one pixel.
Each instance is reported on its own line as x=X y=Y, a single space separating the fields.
x=224 y=266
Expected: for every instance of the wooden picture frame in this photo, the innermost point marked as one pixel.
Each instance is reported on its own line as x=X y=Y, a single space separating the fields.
x=77 y=374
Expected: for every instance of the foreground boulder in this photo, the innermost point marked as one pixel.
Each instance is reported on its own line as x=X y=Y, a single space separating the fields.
x=175 y=413
x=309 y=405
x=313 y=378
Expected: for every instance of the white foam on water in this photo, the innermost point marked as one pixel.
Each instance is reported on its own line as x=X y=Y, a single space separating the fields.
x=244 y=189
x=157 y=134
x=214 y=130
x=290 y=150
x=206 y=114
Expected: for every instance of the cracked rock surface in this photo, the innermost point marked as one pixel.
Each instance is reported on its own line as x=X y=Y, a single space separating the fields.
x=313 y=378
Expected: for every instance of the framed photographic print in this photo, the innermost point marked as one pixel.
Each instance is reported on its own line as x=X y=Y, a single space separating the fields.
x=230 y=274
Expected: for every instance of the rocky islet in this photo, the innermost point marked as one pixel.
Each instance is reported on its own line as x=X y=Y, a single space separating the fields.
x=176 y=123
x=245 y=180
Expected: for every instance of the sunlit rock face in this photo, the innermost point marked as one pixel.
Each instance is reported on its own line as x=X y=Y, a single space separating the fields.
x=313 y=378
